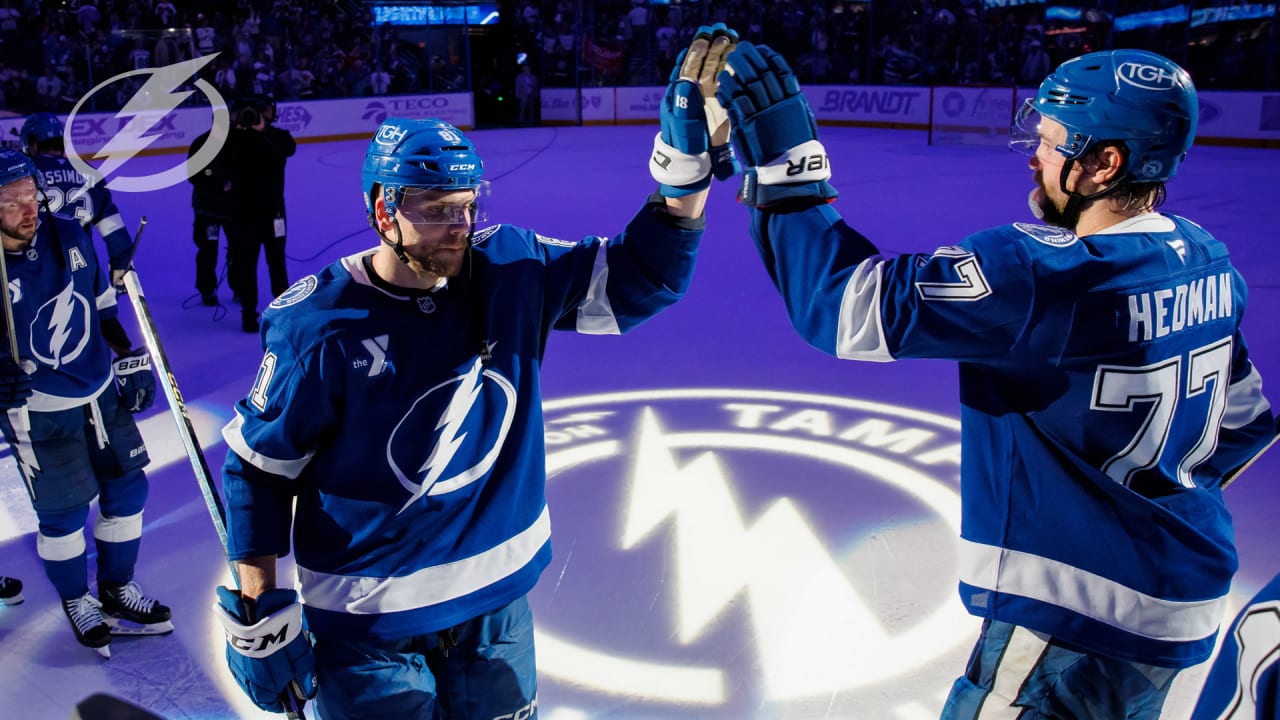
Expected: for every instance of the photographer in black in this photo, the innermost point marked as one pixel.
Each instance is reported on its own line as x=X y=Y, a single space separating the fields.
x=257 y=151
x=211 y=206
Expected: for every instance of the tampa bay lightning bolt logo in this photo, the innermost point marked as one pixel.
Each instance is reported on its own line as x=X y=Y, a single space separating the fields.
x=60 y=329
x=461 y=425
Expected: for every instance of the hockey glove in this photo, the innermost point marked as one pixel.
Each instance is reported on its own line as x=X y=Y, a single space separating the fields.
x=15 y=384
x=134 y=381
x=694 y=139
x=268 y=650
x=774 y=129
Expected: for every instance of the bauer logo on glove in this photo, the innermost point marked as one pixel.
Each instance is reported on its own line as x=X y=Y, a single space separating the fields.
x=134 y=380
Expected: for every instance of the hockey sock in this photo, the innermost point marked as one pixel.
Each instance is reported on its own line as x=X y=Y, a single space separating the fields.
x=65 y=563
x=118 y=539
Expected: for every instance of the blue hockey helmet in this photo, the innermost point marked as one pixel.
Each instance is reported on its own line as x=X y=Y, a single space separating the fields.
x=40 y=127
x=428 y=154
x=1139 y=99
x=15 y=165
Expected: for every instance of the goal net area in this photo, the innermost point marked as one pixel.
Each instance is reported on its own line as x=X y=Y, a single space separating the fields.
x=971 y=114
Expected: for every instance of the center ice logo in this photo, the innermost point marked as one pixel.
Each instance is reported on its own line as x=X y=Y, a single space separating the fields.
x=751 y=549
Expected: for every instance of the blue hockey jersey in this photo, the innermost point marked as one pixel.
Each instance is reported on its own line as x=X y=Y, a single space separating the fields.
x=1244 y=683
x=90 y=203
x=409 y=425
x=1105 y=391
x=57 y=311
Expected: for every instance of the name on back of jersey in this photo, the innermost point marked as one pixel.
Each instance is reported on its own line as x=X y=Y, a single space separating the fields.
x=1157 y=313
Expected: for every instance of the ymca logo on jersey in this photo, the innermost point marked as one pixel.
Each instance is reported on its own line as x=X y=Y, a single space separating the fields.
x=60 y=329
x=452 y=434
x=746 y=549
x=1047 y=234
x=146 y=117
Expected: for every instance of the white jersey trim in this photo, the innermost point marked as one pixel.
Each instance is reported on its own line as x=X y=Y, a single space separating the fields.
x=1245 y=401
x=110 y=224
x=285 y=468
x=595 y=314
x=1151 y=222
x=1056 y=583
x=43 y=402
x=859 y=334
x=429 y=586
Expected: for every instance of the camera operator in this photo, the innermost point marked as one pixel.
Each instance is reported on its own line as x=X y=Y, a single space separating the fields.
x=257 y=151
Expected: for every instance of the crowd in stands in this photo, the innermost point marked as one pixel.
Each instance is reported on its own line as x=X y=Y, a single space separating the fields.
x=52 y=52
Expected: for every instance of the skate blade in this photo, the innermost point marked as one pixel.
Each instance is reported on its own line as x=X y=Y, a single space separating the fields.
x=15 y=600
x=124 y=627
x=104 y=651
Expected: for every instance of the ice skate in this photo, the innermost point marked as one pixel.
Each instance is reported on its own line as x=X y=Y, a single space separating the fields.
x=130 y=612
x=91 y=629
x=10 y=591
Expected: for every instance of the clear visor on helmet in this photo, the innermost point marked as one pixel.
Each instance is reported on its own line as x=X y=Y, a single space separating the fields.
x=1024 y=131
x=444 y=206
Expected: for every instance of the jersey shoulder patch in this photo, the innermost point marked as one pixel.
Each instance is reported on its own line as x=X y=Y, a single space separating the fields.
x=1047 y=234
x=297 y=292
x=484 y=234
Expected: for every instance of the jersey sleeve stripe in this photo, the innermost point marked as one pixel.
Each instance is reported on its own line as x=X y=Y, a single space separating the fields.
x=595 y=314
x=859 y=333
x=1245 y=401
x=284 y=468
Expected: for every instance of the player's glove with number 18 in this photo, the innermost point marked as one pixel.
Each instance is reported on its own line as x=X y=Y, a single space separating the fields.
x=693 y=143
x=774 y=130
x=268 y=650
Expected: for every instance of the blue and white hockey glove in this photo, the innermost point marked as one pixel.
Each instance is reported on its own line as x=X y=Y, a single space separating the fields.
x=693 y=142
x=134 y=380
x=268 y=650
x=774 y=129
x=15 y=384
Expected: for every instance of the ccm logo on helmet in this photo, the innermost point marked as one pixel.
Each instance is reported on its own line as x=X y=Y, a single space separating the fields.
x=1148 y=77
x=467 y=166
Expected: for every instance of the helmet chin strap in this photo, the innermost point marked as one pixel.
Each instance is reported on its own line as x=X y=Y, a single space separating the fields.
x=1075 y=201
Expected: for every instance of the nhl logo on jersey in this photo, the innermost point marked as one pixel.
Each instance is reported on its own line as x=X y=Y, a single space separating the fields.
x=296 y=293
x=1047 y=234
x=751 y=549
x=426 y=304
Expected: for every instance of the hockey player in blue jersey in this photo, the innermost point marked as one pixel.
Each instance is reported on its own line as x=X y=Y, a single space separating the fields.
x=1244 y=682
x=396 y=423
x=68 y=192
x=73 y=435
x=1105 y=385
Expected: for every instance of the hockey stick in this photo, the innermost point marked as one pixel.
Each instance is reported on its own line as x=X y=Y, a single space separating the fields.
x=8 y=309
x=186 y=431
